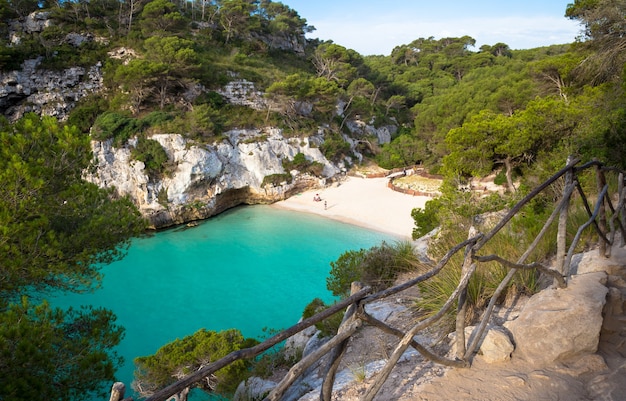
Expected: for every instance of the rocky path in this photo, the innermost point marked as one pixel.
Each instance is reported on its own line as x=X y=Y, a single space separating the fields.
x=600 y=376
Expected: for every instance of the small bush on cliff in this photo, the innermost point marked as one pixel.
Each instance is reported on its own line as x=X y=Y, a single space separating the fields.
x=377 y=267
x=300 y=163
x=86 y=112
x=276 y=179
x=152 y=154
x=117 y=125
x=121 y=126
x=426 y=219
x=201 y=123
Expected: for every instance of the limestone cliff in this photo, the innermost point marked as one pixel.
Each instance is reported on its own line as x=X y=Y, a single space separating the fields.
x=208 y=179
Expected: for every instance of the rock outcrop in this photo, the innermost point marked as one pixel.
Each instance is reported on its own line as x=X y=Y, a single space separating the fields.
x=45 y=92
x=558 y=325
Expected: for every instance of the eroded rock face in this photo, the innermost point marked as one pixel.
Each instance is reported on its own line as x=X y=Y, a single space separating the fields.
x=243 y=93
x=207 y=179
x=50 y=93
x=558 y=325
x=45 y=92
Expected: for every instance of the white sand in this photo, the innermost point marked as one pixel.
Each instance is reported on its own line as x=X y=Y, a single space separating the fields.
x=365 y=202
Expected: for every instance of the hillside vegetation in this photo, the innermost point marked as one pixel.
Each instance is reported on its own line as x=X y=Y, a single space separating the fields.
x=444 y=95
x=459 y=111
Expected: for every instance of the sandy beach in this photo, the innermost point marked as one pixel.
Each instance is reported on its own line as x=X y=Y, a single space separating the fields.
x=366 y=202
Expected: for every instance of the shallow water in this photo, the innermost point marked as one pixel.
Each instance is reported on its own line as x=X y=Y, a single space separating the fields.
x=250 y=268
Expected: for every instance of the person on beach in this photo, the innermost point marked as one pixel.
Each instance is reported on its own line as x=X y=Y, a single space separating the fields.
x=317 y=198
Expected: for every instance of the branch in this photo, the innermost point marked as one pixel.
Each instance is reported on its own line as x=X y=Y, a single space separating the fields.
x=535 y=265
x=426 y=353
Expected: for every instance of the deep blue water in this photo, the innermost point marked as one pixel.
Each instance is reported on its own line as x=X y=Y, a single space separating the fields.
x=250 y=268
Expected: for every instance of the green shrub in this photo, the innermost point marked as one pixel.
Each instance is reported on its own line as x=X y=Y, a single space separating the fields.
x=84 y=115
x=116 y=125
x=242 y=117
x=329 y=326
x=10 y=58
x=426 y=219
x=500 y=178
x=300 y=163
x=202 y=123
x=152 y=154
x=276 y=179
x=335 y=148
x=186 y=355
x=121 y=126
x=377 y=267
x=213 y=99
x=345 y=270
x=155 y=118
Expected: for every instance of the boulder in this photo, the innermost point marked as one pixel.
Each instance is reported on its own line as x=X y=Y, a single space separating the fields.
x=591 y=261
x=494 y=347
x=244 y=93
x=559 y=324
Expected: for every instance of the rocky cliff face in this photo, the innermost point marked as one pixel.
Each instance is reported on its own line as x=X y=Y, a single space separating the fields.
x=208 y=179
x=51 y=93
x=45 y=92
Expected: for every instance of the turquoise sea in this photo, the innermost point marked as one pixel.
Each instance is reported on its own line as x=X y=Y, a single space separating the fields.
x=249 y=268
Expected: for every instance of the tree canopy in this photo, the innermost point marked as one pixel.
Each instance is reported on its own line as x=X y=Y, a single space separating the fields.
x=182 y=356
x=56 y=231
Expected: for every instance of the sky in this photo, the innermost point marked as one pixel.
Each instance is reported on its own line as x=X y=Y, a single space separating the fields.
x=377 y=26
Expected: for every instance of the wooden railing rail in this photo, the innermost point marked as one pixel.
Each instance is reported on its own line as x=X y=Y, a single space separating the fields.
x=356 y=315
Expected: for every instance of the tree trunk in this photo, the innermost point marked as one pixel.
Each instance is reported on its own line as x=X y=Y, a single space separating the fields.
x=509 y=174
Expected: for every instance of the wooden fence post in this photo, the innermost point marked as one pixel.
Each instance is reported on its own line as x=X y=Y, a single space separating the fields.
x=117 y=391
x=622 y=216
x=337 y=352
x=561 y=239
x=601 y=181
x=462 y=303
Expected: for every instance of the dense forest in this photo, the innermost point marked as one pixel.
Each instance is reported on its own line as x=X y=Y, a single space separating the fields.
x=461 y=112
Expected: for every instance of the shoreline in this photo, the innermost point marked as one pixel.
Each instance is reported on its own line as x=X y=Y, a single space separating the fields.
x=364 y=202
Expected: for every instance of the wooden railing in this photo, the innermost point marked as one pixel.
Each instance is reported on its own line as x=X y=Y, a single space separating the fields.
x=606 y=217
